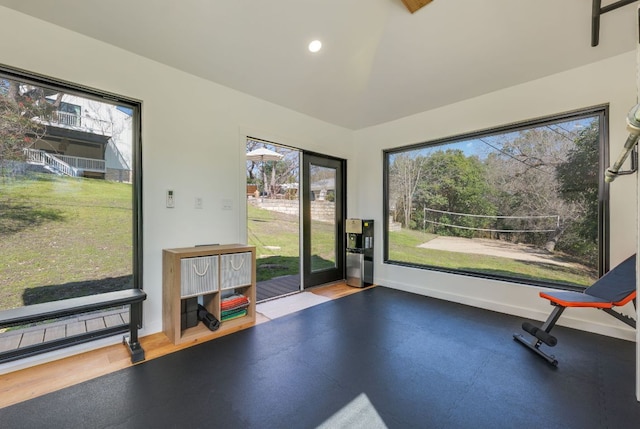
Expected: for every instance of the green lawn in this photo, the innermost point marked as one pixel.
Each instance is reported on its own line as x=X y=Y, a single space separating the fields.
x=62 y=237
x=276 y=237
x=271 y=229
x=403 y=247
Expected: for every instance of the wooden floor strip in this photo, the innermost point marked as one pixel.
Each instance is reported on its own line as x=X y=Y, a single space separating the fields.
x=54 y=333
x=113 y=320
x=10 y=342
x=32 y=337
x=95 y=324
x=76 y=328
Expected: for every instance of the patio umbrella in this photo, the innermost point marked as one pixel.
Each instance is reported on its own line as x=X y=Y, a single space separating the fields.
x=261 y=155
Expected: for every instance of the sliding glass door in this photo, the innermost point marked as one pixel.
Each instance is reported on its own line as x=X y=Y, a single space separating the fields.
x=286 y=202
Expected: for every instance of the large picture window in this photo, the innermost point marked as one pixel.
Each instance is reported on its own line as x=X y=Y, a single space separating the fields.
x=526 y=202
x=70 y=193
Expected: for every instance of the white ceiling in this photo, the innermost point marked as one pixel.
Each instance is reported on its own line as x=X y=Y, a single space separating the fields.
x=378 y=61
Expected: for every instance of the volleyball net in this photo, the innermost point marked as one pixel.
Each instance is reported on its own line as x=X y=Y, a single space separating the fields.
x=490 y=223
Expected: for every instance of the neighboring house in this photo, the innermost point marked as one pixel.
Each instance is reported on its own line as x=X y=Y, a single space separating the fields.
x=323 y=189
x=85 y=138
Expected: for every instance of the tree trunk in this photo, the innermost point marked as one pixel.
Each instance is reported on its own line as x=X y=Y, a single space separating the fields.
x=550 y=245
x=13 y=90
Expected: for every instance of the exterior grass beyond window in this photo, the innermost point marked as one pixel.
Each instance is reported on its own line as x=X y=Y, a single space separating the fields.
x=521 y=203
x=63 y=237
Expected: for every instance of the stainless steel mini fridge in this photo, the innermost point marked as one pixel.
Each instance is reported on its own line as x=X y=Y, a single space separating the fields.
x=359 y=252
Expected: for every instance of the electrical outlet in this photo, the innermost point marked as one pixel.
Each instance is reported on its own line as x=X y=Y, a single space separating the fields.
x=171 y=201
x=198 y=203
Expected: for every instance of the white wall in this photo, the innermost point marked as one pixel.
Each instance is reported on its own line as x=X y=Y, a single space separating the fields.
x=193 y=138
x=193 y=142
x=607 y=82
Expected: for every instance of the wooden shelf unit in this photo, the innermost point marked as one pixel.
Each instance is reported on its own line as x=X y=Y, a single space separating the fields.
x=171 y=292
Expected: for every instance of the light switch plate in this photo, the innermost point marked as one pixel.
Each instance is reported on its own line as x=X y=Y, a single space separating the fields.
x=171 y=200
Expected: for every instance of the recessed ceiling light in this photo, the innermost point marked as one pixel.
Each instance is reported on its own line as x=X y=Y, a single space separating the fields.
x=315 y=46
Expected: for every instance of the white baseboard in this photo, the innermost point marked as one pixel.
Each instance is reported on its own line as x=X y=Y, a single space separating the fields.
x=518 y=309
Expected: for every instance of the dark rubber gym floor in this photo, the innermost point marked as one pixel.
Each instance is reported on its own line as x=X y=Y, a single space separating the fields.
x=421 y=362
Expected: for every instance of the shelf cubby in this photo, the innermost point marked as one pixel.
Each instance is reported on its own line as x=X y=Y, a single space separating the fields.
x=214 y=272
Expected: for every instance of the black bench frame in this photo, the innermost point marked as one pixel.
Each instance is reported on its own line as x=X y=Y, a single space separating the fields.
x=616 y=288
x=68 y=307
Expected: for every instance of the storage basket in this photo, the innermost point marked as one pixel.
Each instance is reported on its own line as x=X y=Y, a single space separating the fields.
x=235 y=270
x=198 y=275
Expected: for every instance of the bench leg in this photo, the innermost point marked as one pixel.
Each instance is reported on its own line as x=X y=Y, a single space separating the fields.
x=553 y=318
x=135 y=322
x=535 y=343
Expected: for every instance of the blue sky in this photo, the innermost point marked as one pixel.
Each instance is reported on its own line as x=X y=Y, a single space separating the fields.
x=482 y=146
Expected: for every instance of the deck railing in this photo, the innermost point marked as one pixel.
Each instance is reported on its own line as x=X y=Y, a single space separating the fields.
x=72 y=120
x=66 y=118
x=54 y=164
x=86 y=164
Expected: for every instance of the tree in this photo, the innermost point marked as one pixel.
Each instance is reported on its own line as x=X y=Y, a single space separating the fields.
x=19 y=105
x=405 y=172
x=456 y=183
x=522 y=169
x=271 y=175
x=283 y=171
x=252 y=166
x=579 y=185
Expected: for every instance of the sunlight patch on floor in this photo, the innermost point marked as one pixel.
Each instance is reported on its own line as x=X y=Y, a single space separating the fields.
x=289 y=304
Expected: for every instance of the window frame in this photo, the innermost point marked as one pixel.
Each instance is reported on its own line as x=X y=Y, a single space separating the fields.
x=87 y=92
x=599 y=111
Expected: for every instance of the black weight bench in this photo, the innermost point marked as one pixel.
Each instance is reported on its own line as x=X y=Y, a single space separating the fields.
x=68 y=307
x=616 y=288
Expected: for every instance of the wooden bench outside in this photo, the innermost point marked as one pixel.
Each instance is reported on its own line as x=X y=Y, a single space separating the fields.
x=73 y=306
